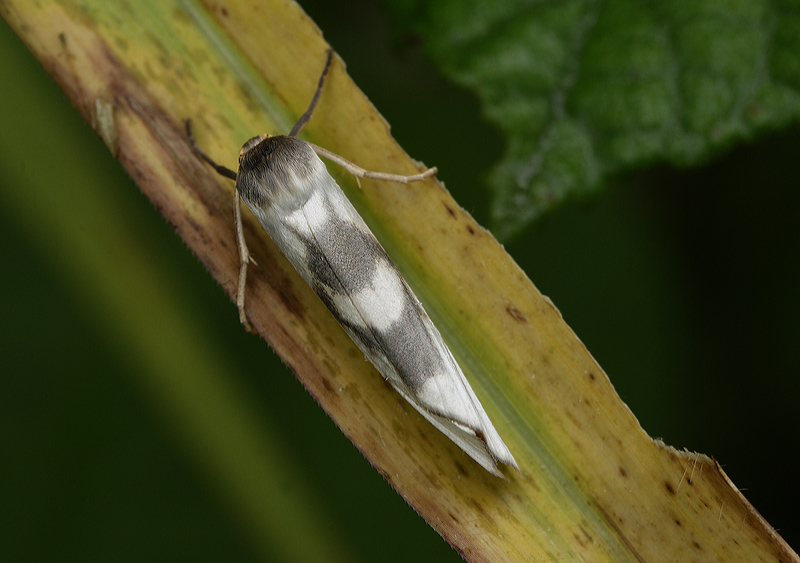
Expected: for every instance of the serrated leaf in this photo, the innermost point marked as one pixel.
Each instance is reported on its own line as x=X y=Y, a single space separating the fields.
x=585 y=90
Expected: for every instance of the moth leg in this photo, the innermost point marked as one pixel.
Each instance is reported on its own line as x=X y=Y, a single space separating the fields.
x=359 y=172
x=244 y=259
x=307 y=115
x=221 y=170
x=241 y=244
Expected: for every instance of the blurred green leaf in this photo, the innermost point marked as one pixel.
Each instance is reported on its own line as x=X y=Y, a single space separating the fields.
x=585 y=90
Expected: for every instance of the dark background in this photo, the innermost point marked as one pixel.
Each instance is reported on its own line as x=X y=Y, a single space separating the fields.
x=682 y=283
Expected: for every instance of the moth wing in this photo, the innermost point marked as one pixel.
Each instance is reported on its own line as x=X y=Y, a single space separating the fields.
x=334 y=251
x=487 y=449
x=445 y=398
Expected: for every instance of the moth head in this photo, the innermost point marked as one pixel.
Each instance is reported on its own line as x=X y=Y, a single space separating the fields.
x=250 y=144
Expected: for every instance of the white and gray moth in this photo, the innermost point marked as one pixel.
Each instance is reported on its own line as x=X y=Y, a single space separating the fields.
x=287 y=187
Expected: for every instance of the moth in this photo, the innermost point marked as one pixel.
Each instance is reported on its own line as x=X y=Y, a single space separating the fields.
x=309 y=218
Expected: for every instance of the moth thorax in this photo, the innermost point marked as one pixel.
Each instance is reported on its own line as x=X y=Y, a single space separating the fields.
x=278 y=171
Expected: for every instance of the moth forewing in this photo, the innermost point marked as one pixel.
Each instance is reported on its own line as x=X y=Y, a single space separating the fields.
x=289 y=190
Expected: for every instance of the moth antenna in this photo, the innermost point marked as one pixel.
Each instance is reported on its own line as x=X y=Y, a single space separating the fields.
x=221 y=170
x=307 y=115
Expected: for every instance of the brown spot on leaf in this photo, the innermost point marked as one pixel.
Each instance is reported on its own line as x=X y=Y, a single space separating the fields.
x=583 y=538
x=669 y=488
x=482 y=510
x=516 y=314
x=291 y=302
x=623 y=472
x=385 y=475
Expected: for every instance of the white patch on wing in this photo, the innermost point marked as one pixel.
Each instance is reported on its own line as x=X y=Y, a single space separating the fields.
x=340 y=204
x=296 y=220
x=345 y=309
x=283 y=232
x=445 y=392
x=316 y=211
x=381 y=303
